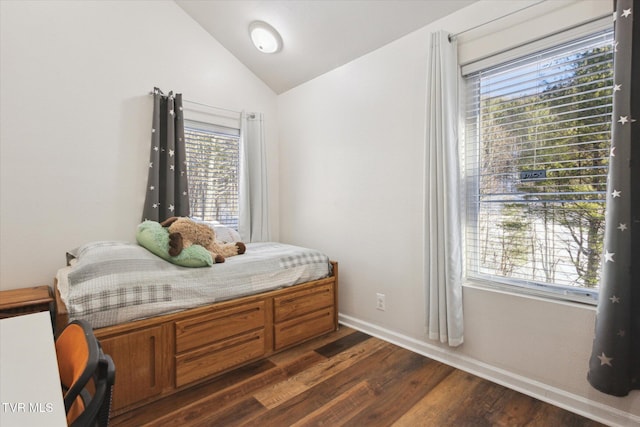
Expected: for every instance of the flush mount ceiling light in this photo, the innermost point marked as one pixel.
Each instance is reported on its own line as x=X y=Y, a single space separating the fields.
x=265 y=38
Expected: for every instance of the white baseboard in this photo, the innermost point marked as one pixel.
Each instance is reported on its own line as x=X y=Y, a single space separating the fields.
x=578 y=404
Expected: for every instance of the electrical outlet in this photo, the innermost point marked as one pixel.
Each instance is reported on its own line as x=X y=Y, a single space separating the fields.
x=381 y=302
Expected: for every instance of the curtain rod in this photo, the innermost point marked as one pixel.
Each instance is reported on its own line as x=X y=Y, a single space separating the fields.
x=205 y=105
x=537 y=39
x=454 y=36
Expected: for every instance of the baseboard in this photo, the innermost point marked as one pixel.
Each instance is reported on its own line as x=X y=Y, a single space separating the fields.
x=578 y=404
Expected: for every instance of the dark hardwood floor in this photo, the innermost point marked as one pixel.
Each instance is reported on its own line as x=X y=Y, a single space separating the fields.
x=349 y=379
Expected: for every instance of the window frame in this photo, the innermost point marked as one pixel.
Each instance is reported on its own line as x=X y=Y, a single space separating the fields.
x=520 y=286
x=221 y=131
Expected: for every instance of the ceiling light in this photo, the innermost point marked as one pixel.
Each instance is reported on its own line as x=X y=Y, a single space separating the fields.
x=265 y=37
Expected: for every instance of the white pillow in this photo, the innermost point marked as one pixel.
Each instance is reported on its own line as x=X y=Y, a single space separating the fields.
x=226 y=234
x=223 y=233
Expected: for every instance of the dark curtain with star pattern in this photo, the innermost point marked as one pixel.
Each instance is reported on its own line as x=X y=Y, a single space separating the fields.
x=614 y=367
x=167 y=186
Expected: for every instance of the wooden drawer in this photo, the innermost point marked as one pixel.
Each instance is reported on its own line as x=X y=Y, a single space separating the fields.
x=141 y=354
x=299 y=303
x=201 y=363
x=206 y=329
x=304 y=327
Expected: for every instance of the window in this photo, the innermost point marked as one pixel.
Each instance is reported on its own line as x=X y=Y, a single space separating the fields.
x=537 y=148
x=212 y=167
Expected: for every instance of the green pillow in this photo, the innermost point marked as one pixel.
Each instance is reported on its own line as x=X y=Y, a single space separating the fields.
x=155 y=238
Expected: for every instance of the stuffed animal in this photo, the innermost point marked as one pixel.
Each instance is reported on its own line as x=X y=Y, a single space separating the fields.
x=184 y=232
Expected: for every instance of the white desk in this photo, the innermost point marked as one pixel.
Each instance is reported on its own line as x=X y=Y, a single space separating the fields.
x=30 y=393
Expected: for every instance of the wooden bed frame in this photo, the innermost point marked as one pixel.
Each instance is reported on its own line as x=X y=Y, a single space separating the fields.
x=158 y=356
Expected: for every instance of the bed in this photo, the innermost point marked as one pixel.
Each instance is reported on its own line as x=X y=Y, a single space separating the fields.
x=169 y=327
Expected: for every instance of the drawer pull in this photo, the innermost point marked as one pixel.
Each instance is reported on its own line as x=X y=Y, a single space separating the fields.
x=297 y=298
x=194 y=325
x=189 y=359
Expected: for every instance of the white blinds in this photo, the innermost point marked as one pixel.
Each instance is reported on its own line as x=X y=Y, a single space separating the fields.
x=212 y=168
x=537 y=147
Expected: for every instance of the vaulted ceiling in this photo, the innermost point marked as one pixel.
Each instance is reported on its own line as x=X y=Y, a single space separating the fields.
x=318 y=35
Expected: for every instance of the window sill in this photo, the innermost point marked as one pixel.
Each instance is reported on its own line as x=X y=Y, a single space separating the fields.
x=540 y=295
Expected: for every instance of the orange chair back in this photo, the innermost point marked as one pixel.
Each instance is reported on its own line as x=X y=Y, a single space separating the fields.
x=77 y=352
x=74 y=349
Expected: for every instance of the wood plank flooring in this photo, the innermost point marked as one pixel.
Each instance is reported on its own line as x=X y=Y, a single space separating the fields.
x=349 y=378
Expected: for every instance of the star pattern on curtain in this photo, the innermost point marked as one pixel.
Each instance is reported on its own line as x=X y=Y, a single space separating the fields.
x=615 y=194
x=612 y=365
x=167 y=193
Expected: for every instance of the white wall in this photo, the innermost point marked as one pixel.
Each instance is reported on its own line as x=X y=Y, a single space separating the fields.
x=351 y=184
x=74 y=135
x=76 y=119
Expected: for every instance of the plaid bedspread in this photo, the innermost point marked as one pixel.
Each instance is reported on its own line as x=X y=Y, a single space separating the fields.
x=116 y=282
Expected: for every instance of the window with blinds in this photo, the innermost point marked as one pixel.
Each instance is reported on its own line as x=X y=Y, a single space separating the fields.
x=537 y=147
x=212 y=168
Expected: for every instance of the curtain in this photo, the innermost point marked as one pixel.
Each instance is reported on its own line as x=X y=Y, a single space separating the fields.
x=443 y=239
x=167 y=189
x=614 y=366
x=253 y=224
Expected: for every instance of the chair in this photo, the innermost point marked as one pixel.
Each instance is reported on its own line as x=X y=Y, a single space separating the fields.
x=87 y=375
x=97 y=407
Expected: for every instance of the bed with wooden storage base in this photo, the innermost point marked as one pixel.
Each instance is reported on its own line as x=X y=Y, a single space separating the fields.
x=161 y=353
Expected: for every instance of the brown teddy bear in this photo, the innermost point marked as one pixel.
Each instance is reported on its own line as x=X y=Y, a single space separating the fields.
x=184 y=232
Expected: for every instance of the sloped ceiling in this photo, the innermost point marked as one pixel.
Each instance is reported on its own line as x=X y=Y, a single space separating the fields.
x=318 y=35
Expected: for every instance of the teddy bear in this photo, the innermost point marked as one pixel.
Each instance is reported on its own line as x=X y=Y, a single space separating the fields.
x=184 y=232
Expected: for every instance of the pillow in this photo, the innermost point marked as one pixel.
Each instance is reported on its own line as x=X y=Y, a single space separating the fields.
x=155 y=238
x=226 y=234
x=223 y=233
